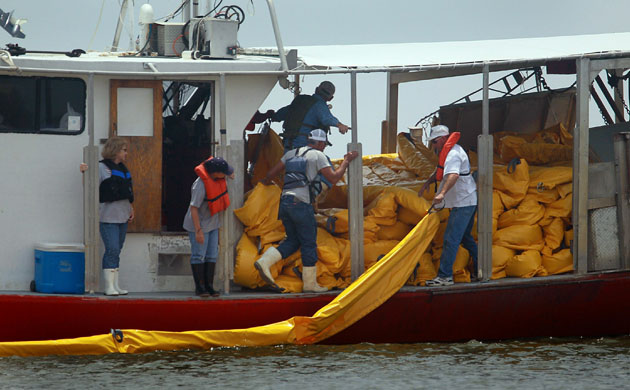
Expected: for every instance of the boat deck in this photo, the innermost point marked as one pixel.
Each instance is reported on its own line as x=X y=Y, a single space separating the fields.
x=239 y=293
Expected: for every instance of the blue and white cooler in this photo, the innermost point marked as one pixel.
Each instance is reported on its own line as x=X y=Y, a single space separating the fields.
x=59 y=268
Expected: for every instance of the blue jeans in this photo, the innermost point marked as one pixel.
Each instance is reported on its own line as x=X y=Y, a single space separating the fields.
x=458 y=228
x=113 y=235
x=299 y=223
x=206 y=252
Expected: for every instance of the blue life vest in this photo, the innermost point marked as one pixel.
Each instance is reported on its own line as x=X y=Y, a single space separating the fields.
x=295 y=174
x=118 y=186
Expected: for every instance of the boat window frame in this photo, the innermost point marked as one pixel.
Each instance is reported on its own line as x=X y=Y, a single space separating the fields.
x=82 y=109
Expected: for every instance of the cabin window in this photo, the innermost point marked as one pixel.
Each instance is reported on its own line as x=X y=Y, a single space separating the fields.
x=46 y=105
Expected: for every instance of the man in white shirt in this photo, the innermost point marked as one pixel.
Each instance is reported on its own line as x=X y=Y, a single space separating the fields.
x=302 y=183
x=457 y=191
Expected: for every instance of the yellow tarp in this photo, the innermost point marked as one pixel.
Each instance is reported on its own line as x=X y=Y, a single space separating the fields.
x=367 y=293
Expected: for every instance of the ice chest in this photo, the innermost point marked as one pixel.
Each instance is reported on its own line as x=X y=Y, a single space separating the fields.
x=59 y=268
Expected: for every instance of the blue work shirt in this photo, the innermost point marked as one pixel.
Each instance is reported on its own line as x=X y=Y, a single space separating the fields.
x=318 y=116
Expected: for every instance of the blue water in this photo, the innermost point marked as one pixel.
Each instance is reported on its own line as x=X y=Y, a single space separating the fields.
x=541 y=364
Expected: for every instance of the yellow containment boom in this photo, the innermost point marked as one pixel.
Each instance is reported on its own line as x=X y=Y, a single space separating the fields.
x=367 y=293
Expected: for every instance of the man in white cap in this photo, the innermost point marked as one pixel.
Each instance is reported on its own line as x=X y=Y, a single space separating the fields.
x=302 y=183
x=306 y=113
x=457 y=191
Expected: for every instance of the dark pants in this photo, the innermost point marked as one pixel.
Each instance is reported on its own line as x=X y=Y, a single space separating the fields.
x=299 y=223
x=458 y=228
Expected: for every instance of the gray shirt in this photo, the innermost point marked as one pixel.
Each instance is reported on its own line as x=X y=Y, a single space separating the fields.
x=315 y=161
x=118 y=211
x=208 y=222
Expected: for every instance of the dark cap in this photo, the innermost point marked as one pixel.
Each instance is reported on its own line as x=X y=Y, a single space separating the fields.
x=217 y=164
x=326 y=89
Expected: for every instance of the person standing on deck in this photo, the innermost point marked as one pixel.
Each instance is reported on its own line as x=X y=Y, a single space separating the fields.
x=457 y=191
x=307 y=113
x=302 y=184
x=115 y=208
x=208 y=198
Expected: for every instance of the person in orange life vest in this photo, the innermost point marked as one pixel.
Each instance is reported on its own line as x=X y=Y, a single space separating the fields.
x=302 y=184
x=115 y=208
x=457 y=191
x=202 y=221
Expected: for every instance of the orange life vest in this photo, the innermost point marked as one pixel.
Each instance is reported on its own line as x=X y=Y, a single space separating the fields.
x=450 y=142
x=216 y=190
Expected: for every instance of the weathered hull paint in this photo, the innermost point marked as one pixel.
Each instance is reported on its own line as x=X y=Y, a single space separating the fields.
x=589 y=306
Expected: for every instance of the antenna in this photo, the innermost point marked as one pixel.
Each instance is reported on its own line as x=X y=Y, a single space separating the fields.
x=12 y=25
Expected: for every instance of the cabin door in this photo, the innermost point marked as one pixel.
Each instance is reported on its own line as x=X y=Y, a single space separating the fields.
x=136 y=114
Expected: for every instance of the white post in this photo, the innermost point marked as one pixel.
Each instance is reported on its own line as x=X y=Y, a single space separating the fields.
x=580 y=169
x=90 y=199
x=225 y=229
x=484 y=183
x=355 y=192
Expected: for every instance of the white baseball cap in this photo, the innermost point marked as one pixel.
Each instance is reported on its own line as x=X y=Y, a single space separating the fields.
x=438 y=131
x=319 y=135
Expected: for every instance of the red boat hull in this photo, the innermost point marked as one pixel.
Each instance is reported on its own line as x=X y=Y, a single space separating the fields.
x=592 y=305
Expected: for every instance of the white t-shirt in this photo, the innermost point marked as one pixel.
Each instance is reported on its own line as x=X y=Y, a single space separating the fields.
x=315 y=161
x=464 y=192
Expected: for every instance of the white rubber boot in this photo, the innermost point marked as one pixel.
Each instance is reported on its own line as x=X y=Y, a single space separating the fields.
x=309 y=277
x=269 y=258
x=109 y=275
x=120 y=290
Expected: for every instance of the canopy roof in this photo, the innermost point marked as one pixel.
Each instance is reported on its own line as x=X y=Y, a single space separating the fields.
x=450 y=54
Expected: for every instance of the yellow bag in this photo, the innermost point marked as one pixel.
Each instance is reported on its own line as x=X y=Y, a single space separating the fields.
x=372 y=251
x=565 y=189
x=408 y=216
x=273 y=236
x=409 y=199
x=460 y=266
x=383 y=209
x=500 y=258
x=560 y=208
x=423 y=272
x=270 y=152
x=554 y=233
x=512 y=186
x=497 y=204
x=543 y=195
x=558 y=263
x=328 y=251
x=526 y=265
x=290 y=283
x=568 y=238
x=549 y=177
x=418 y=158
x=520 y=237
x=259 y=214
x=438 y=240
x=246 y=255
x=528 y=212
x=397 y=231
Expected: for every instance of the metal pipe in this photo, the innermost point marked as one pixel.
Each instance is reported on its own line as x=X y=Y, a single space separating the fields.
x=225 y=229
x=186 y=11
x=276 y=32
x=353 y=106
x=394 y=69
x=485 y=106
x=119 y=25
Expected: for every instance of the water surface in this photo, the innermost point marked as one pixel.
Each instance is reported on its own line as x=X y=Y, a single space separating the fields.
x=541 y=364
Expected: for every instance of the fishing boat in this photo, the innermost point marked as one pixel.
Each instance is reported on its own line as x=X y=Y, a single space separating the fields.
x=189 y=91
